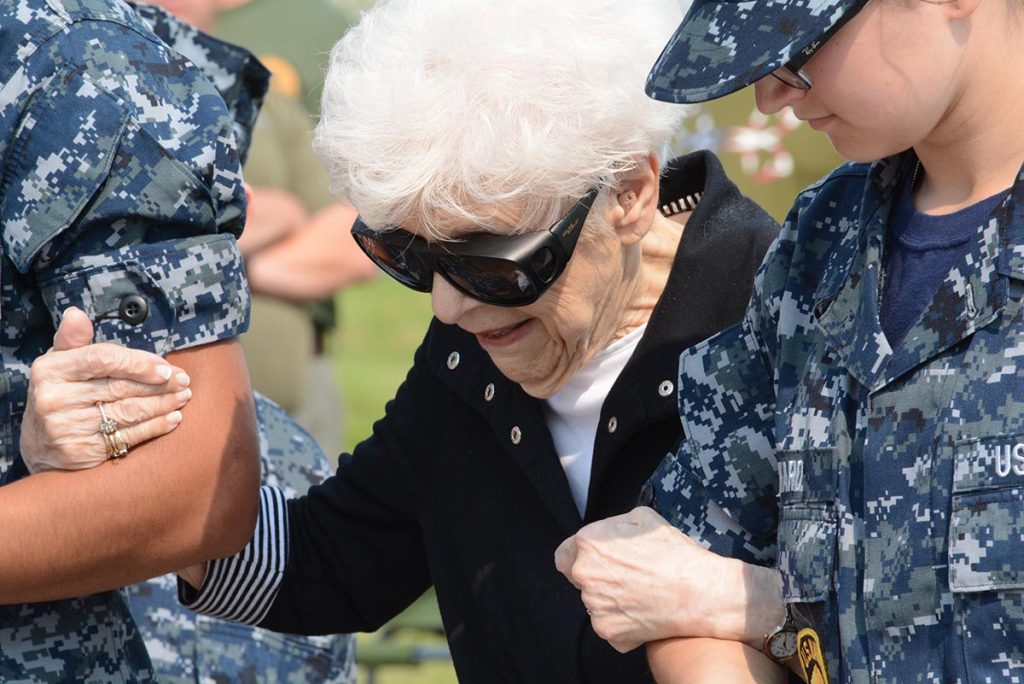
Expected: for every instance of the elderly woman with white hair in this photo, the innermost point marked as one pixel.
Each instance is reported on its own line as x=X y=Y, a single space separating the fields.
x=503 y=158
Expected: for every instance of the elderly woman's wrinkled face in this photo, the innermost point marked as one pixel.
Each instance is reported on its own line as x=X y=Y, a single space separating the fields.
x=541 y=345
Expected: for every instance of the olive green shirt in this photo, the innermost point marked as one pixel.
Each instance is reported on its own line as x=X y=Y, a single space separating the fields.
x=300 y=32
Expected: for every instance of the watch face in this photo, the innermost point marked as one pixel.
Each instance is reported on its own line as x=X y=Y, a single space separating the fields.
x=783 y=645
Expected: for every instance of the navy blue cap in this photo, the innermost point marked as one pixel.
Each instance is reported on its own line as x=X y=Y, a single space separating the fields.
x=722 y=46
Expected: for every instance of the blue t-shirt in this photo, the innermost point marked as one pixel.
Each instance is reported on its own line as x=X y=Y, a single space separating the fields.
x=919 y=251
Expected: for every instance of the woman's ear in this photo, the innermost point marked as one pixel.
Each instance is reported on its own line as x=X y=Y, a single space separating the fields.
x=636 y=201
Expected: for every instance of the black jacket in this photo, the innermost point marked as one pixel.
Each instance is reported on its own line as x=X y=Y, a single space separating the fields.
x=441 y=493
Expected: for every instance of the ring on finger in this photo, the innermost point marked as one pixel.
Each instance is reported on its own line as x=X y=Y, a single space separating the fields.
x=115 y=444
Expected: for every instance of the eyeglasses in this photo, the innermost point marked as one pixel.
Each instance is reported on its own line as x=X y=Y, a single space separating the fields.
x=504 y=270
x=791 y=73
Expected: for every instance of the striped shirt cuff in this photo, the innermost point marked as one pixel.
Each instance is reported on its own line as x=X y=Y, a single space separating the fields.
x=243 y=587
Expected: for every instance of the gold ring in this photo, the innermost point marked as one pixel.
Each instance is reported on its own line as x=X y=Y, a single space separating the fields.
x=112 y=439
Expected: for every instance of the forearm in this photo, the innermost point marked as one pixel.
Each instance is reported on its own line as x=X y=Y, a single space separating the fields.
x=724 y=644
x=681 y=661
x=180 y=499
x=314 y=262
x=748 y=605
x=273 y=215
x=643 y=580
x=294 y=577
x=349 y=554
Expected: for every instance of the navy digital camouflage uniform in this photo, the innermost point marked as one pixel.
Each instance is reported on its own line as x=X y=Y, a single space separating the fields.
x=186 y=647
x=121 y=195
x=887 y=484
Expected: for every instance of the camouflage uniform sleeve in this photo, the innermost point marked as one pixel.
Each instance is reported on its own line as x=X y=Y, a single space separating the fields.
x=122 y=192
x=720 y=487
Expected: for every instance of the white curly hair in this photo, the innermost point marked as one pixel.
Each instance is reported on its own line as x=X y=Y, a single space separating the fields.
x=437 y=110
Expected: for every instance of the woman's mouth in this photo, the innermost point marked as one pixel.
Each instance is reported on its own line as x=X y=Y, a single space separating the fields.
x=503 y=337
x=820 y=122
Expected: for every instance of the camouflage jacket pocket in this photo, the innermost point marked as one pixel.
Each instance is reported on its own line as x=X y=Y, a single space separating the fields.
x=808 y=525
x=986 y=530
x=59 y=159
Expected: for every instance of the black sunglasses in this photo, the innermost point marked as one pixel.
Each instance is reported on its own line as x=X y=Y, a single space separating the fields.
x=504 y=270
x=791 y=73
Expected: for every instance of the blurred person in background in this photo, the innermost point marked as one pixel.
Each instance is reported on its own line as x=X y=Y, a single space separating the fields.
x=293 y=39
x=298 y=255
x=504 y=158
x=297 y=251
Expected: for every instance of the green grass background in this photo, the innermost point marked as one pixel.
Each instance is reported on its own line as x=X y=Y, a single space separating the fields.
x=382 y=324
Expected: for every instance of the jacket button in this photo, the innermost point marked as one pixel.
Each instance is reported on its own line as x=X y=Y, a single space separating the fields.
x=613 y=424
x=489 y=391
x=665 y=388
x=517 y=435
x=133 y=309
x=453 y=360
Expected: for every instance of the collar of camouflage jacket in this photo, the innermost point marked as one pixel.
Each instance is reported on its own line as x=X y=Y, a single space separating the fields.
x=972 y=296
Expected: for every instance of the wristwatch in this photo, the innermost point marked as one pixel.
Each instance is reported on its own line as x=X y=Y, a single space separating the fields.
x=780 y=643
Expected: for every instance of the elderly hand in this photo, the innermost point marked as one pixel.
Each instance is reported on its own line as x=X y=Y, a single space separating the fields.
x=643 y=580
x=140 y=391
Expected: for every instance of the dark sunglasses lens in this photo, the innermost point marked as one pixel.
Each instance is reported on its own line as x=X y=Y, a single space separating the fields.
x=397 y=262
x=490 y=280
x=545 y=265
